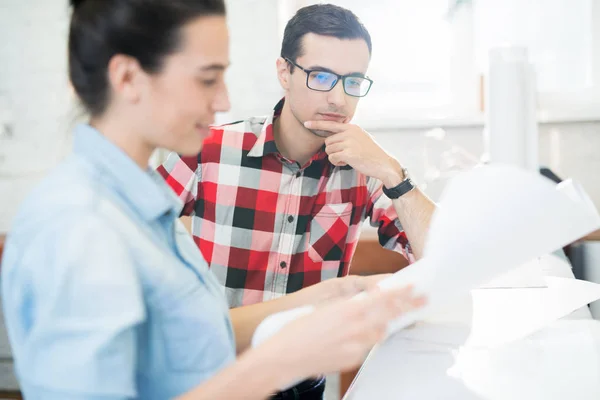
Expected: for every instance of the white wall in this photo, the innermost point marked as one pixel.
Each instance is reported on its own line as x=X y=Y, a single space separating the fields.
x=34 y=83
x=254 y=47
x=570 y=150
x=33 y=86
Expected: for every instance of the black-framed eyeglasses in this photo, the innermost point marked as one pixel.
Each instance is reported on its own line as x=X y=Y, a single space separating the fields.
x=324 y=81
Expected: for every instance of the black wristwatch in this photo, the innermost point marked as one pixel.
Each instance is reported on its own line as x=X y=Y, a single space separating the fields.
x=404 y=187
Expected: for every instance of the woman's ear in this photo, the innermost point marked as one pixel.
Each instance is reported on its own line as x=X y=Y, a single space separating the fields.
x=125 y=76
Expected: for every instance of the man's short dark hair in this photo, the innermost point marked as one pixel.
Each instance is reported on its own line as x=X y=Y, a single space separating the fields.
x=325 y=20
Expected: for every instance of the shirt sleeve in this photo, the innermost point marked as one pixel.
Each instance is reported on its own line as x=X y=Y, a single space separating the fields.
x=74 y=302
x=383 y=216
x=182 y=174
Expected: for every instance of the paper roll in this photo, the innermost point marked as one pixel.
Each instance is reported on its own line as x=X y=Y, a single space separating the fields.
x=511 y=134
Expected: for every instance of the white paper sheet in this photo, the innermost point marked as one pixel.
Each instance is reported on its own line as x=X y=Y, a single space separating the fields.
x=490 y=220
x=529 y=274
x=494 y=317
x=504 y=315
x=562 y=361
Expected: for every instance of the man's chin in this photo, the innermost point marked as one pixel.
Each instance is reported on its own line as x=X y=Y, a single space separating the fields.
x=321 y=134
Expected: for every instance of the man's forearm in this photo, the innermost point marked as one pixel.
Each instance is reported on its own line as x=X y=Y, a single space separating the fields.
x=246 y=319
x=414 y=211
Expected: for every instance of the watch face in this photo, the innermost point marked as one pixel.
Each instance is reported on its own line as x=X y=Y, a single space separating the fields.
x=405 y=173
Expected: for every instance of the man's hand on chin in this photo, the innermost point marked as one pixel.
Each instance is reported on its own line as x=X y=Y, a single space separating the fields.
x=352 y=145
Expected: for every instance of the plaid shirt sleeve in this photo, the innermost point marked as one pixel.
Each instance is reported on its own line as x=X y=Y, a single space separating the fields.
x=182 y=174
x=382 y=215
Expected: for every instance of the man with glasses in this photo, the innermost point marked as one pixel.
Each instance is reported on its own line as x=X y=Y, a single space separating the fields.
x=277 y=203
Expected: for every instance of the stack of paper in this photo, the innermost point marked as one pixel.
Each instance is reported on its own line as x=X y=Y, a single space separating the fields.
x=491 y=220
x=562 y=361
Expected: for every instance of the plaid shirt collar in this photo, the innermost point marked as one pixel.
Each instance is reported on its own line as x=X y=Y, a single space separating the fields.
x=265 y=143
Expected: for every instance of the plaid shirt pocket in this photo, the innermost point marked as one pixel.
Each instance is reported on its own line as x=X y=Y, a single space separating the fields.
x=328 y=232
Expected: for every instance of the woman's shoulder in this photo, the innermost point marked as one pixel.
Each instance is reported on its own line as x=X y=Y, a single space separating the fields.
x=68 y=193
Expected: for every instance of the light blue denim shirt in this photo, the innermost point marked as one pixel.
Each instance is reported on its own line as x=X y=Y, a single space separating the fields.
x=105 y=294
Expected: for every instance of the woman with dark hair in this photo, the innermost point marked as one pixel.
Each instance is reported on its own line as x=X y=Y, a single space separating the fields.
x=106 y=296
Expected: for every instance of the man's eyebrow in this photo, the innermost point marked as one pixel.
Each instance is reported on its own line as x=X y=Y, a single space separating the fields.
x=325 y=69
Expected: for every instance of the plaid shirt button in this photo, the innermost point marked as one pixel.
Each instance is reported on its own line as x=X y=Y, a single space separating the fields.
x=283 y=264
x=291 y=219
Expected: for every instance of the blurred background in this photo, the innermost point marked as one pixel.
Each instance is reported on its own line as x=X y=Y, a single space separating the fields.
x=427 y=106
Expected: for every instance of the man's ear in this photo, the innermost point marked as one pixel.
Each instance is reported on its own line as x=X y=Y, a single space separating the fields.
x=283 y=73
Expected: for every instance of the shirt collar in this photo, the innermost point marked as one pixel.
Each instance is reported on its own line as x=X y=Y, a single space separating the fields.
x=145 y=190
x=265 y=143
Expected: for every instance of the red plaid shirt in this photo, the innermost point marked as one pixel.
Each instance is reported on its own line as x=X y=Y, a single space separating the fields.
x=268 y=226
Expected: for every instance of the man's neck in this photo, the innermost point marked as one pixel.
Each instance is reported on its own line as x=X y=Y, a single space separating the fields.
x=293 y=140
